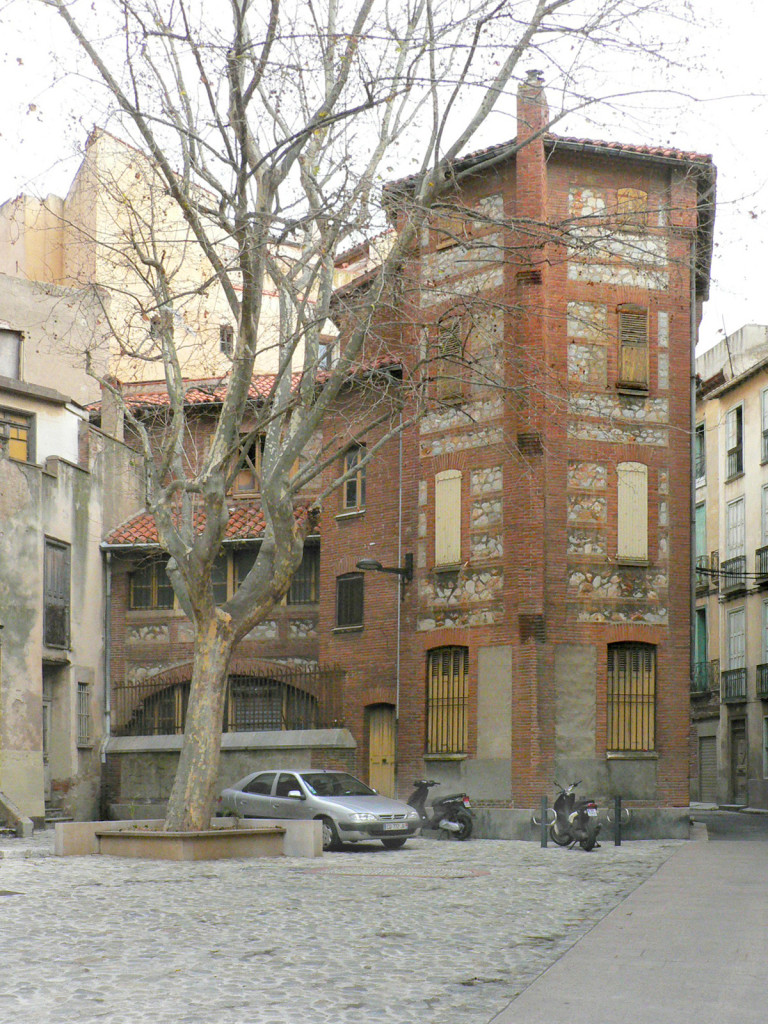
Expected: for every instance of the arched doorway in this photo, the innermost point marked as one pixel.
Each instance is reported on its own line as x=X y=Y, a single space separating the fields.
x=381 y=748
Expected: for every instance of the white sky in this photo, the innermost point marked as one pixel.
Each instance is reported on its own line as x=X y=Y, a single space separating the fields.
x=720 y=107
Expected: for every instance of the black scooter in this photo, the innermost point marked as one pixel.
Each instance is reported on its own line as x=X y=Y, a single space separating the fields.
x=575 y=820
x=451 y=814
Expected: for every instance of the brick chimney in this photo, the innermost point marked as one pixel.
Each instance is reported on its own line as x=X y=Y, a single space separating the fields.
x=532 y=108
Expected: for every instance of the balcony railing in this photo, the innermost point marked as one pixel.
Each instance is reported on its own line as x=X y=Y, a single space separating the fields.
x=733 y=574
x=761 y=563
x=764 y=447
x=272 y=697
x=762 y=681
x=734 y=685
x=734 y=462
x=702 y=572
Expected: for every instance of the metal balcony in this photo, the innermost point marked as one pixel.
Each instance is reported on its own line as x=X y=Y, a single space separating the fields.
x=761 y=564
x=702 y=677
x=702 y=573
x=762 y=681
x=733 y=574
x=734 y=685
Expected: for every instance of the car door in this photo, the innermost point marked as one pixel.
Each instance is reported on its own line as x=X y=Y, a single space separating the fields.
x=253 y=800
x=284 y=806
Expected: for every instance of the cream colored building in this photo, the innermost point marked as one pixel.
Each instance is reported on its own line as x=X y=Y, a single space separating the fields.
x=730 y=680
x=115 y=213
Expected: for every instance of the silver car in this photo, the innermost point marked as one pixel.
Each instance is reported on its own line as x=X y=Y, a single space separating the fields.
x=349 y=810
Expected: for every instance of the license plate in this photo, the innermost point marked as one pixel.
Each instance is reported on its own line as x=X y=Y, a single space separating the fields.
x=394 y=826
x=591 y=812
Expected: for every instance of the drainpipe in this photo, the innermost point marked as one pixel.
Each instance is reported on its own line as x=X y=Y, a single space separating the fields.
x=107 y=656
x=692 y=485
x=400 y=589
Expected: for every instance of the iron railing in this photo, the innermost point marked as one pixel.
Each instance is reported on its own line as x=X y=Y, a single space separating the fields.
x=762 y=681
x=734 y=685
x=733 y=574
x=702 y=572
x=761 y=562
x=272 y=697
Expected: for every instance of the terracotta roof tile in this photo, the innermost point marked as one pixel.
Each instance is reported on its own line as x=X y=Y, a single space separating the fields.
x=246 y=522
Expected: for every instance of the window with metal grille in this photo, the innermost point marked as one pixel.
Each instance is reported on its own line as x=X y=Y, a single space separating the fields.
x=83 y=714
x=349 y=599
x=631 y=696
x=734 y=442
x=305 y=584
x=354 y=485
x=149 y=586
x=633 y=347
x=15 y=434
x=56 y=594
x=447 y=700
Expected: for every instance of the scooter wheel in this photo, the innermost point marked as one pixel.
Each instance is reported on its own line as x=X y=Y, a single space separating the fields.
x=558 y=837
x=465 y=821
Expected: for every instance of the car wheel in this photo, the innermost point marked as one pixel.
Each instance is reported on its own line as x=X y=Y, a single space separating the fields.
x=393 y=844
x=331 y=839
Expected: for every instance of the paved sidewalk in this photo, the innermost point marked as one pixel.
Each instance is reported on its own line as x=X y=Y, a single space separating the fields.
x=439 y=932
x=688 y=945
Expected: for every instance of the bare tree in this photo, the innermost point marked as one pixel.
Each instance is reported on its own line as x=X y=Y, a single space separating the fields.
x=269 y=131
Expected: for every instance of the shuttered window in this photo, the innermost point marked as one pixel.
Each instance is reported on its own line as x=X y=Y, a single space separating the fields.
x=734 y=442
x=354 y=485
x=448 y=517
x=632 y=207
x=632 y=511
x=450 y=366
x=447 y=700
x=631 y=696
x=349 y=600
x=734 y=528
x=633 y=347
x=736 y=639
x=56 y=588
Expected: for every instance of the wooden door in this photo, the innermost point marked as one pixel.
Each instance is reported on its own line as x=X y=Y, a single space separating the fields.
x=708 y=769
x=381 y=749
x=739 y=761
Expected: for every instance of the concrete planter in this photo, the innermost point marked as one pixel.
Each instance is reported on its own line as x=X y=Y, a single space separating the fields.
x=212 y=844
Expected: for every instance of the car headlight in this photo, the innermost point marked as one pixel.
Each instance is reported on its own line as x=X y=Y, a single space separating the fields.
x=363 y=816
x=413 y=816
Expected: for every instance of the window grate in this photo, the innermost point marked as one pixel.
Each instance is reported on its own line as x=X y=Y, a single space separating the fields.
x=447 y=700
x=631 y=696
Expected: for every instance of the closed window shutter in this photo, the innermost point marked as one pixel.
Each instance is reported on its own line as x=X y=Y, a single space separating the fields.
x=448 y=517
x=633 y=346
x=632 y=511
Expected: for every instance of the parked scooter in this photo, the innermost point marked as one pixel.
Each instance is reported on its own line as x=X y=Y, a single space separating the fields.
x=575 y=819
x=452 y=814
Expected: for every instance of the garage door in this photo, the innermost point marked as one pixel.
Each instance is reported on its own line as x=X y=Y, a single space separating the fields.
x=708 y=769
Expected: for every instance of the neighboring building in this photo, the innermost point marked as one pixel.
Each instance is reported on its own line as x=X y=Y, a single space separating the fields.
x=54 y=471
x=730 y=680
x=544 y=506
x=88 y=238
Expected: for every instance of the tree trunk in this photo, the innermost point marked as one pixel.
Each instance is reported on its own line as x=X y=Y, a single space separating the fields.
x=194 y=789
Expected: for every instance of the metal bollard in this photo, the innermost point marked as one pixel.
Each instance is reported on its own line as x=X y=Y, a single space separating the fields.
x=617 y=821
x=543 y=821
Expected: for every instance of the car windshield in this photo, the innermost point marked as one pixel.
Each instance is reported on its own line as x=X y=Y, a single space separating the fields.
x=335 y=784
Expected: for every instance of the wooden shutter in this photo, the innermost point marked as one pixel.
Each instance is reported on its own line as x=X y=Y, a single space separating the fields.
x=448 y=517
x=633 y=347
x=632 y=511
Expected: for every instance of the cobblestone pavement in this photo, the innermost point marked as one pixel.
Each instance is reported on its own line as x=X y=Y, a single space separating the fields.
x=439 y=932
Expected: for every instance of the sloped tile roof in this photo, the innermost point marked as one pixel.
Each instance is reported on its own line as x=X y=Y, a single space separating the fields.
x=246 y=522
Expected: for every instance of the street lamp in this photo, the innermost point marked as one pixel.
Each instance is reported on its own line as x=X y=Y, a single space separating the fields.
x=405 y=572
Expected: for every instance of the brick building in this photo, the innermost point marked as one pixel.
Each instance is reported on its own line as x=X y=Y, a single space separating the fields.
x=546 y=499
x=535 y=518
